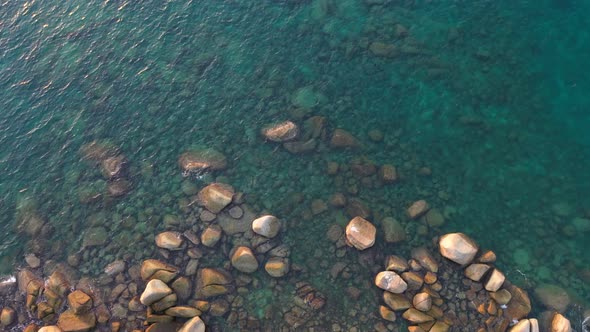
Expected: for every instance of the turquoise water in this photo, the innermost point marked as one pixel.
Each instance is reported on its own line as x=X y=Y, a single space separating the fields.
x=491 y=96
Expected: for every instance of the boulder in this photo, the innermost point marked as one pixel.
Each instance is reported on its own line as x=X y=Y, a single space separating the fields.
x=343 y=139
x=244 y=260
x=281 y=132
x=211 y=236
x=522 y=326
x=202 y=160
x=422 y=301
x=155 y=290
x=360 y=233
x=277 y=267
x=495 y=281
x=79 y=302
x=267 y=226
x=212 y=282
x=169 y=240
x=396 y=302
x=425 y=259
x=418 y=209
x=393 y=231
x=391 y=282
x=216 y=196
x=458 y=247
x=476 y=271
x=553 y=297
x=560 y=324
x=70 y=322
x=519 y=305
x=155 y=269
x=193 y=325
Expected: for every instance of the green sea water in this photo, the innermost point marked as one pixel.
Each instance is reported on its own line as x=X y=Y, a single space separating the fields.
x=491 y=96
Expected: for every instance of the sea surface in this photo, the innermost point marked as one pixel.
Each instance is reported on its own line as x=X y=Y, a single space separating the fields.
x=484 y=107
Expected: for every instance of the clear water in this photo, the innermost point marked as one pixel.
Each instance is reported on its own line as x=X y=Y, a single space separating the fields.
x=496 y=105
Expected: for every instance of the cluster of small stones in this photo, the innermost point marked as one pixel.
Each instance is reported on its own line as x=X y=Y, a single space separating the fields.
x=430 y=298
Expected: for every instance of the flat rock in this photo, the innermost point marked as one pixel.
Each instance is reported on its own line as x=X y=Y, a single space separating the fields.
x=267 y=226
x=553 y=297
x=360 y=233
x=95 y=236
x=212 y=282
x=155 y=269
x=458 y=247
x=70 y=322
x=416 y=317
x=391 y=282
x=396 y=302
x=476 y=271
x=79 y=302
x=232 y=226
x=155 y=290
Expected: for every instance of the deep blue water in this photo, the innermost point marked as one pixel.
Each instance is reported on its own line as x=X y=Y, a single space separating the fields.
x=493 y=99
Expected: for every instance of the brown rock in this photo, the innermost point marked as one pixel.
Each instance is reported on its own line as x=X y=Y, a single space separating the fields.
x=391 y=282
x=413 y=279
x=520 y=304
x=202 y=160
x=343 y=139
x=183 y=311
x=458 y=247
x=396 y=302
x=502 y=296
x=155 y=269
x=244 y=260
x=277 y=267
x=476 y=271
x=281 y=132
x=212 y=282
x=387 y=314
x=7 y=317
x=422 y=301
x=211 y=236
x=216 y=196
x=487 y=257
x=79 y=302
x=360 y=233
x=396 y=263
x=417 y=209
x=70 y=322
x=560 y=324
x=495 y=281
x=169 y=240
x=426 y=260
x=416 y=317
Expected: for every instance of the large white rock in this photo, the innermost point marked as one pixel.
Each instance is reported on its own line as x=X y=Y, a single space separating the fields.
x=154 y=291
x=458 y=247
x=193 y=325
x=267 y=226
x=391 y=282
x=360 y=233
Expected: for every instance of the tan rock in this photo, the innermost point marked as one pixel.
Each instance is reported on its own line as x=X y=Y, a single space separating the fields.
x=502 y=296
x=216 y=196
x=522 y=326
x=170 y=240
x=193 y=325
x=440 y=327
x=396 y=302
x=553 y=297
x=418 y=209
x=7 y=317
x=343 y=139
x=413 y=279
x=519 y=305
x=28 y=282
x=166 y=302
x=458 y=247
x=281 y=132
x=155 y=269
x=495 y=281
x=202 y=160
x=391 y=282
x=244 y=260
x=277 y=267
x=360 y=233
x=211 y=236
x=70 y=322
x=534 y=325
x=155 y=290
x=183 y=311
x=267 y=226
x=425 y=258
x=487 y=257
x=393 y=231
x=388 y=173
x=387 y=313
x=79 y=302
x=395 y=263
x=212 y=282
x=415 y=316
x=476 y=271
x=422 y=301
x=50 y=328
x=560 y=324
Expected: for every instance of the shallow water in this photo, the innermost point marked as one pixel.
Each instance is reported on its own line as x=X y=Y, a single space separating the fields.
x=491 y=96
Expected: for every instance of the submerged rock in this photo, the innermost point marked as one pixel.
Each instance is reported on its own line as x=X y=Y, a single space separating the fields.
x=360 y=233
x=281 y=132
x=553 y=297
x=201 y=160
x=343 y=139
